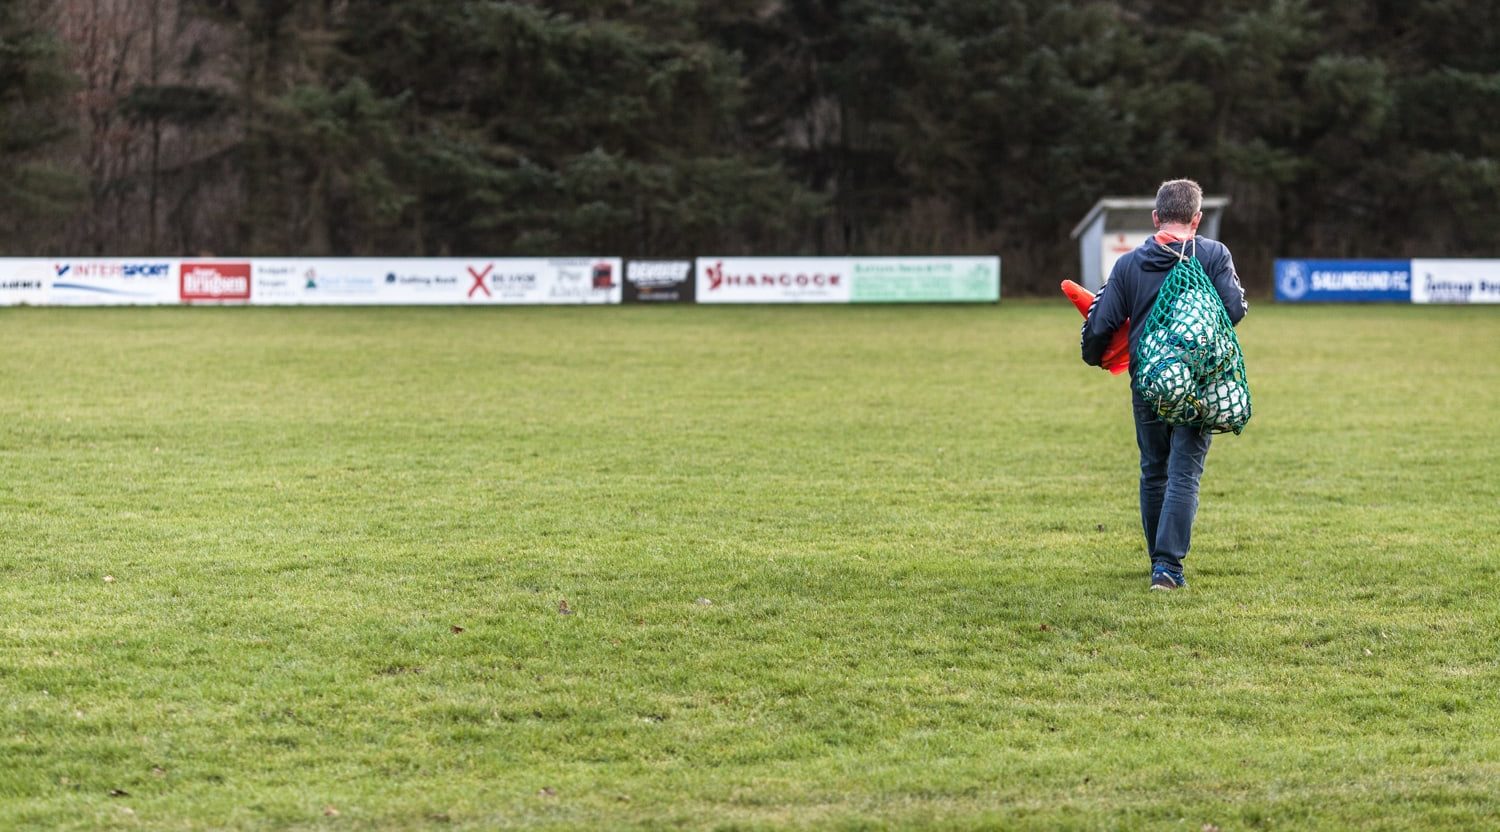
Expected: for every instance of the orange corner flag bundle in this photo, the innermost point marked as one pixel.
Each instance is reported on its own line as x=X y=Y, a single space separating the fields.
x=1117 y=357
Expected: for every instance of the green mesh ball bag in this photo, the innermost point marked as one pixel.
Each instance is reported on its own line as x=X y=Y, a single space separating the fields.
x=1189 y=365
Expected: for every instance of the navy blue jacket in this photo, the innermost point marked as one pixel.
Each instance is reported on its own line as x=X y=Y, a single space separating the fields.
x=1134 y=282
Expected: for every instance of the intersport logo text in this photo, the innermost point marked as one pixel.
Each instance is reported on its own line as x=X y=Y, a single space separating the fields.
x=106 y=269
x=717 y=278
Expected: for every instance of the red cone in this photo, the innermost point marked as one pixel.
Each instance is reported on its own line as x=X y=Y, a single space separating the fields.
x=1117 y=356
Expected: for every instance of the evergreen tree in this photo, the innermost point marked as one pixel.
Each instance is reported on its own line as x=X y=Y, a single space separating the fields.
x=535 y=130
x=33 y=88
x=679 y=127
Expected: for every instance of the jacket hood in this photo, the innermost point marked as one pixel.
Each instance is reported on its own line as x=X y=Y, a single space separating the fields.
x=1154 y=258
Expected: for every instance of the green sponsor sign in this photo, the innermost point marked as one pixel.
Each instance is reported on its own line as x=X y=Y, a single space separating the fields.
x=925 y=280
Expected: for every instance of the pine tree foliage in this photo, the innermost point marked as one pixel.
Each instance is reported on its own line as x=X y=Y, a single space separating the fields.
x=33 y=88
x=675 y=127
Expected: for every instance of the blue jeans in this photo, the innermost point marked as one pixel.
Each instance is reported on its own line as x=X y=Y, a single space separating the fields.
x=1171 y=465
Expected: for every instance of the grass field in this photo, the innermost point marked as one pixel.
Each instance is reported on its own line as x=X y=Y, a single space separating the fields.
x=847 y=568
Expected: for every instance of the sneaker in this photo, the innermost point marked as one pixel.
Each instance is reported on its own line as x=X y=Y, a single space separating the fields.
x=1165 y=579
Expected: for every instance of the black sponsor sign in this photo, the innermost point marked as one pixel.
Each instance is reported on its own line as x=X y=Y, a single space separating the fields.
x=659 y=281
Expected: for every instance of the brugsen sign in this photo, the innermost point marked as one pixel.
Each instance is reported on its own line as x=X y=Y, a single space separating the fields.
x=1341 y=281
x=659 y=281
x=214 y=282
x=848 y=280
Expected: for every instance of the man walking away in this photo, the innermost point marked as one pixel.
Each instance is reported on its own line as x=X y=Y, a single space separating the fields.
x=1171 y=456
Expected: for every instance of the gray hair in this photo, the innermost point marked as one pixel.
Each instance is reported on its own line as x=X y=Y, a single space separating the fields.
x=1178 y=200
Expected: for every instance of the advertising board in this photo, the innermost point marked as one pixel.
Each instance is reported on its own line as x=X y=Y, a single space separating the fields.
x=1343 y=281
x=848 y=279
x=530 y=281
x=323 y=282
x=97 y=281
x=773 y=280
x=659 y=281
x=1455 y=281
x=925 y=280
x=205 y=282
x=435 y=281
x=24 y=281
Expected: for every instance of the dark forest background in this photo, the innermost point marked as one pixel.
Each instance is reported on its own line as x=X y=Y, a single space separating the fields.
x=680 y=127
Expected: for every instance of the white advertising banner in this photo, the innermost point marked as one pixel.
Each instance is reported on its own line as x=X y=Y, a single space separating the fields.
x=848 y=279
x=563 y=280
x=454 y=281
x=25 y=281
x=1455 y=281
x=91 y=281
x=277 y=281
x=445 y=281
x=925 y=280
x=774 y=279
x=111 y=282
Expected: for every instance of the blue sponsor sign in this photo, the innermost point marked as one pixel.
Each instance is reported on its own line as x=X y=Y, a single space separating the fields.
x=1343 y=281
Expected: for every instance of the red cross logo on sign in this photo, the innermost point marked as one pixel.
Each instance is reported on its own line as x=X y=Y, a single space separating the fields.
x=479 y=280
